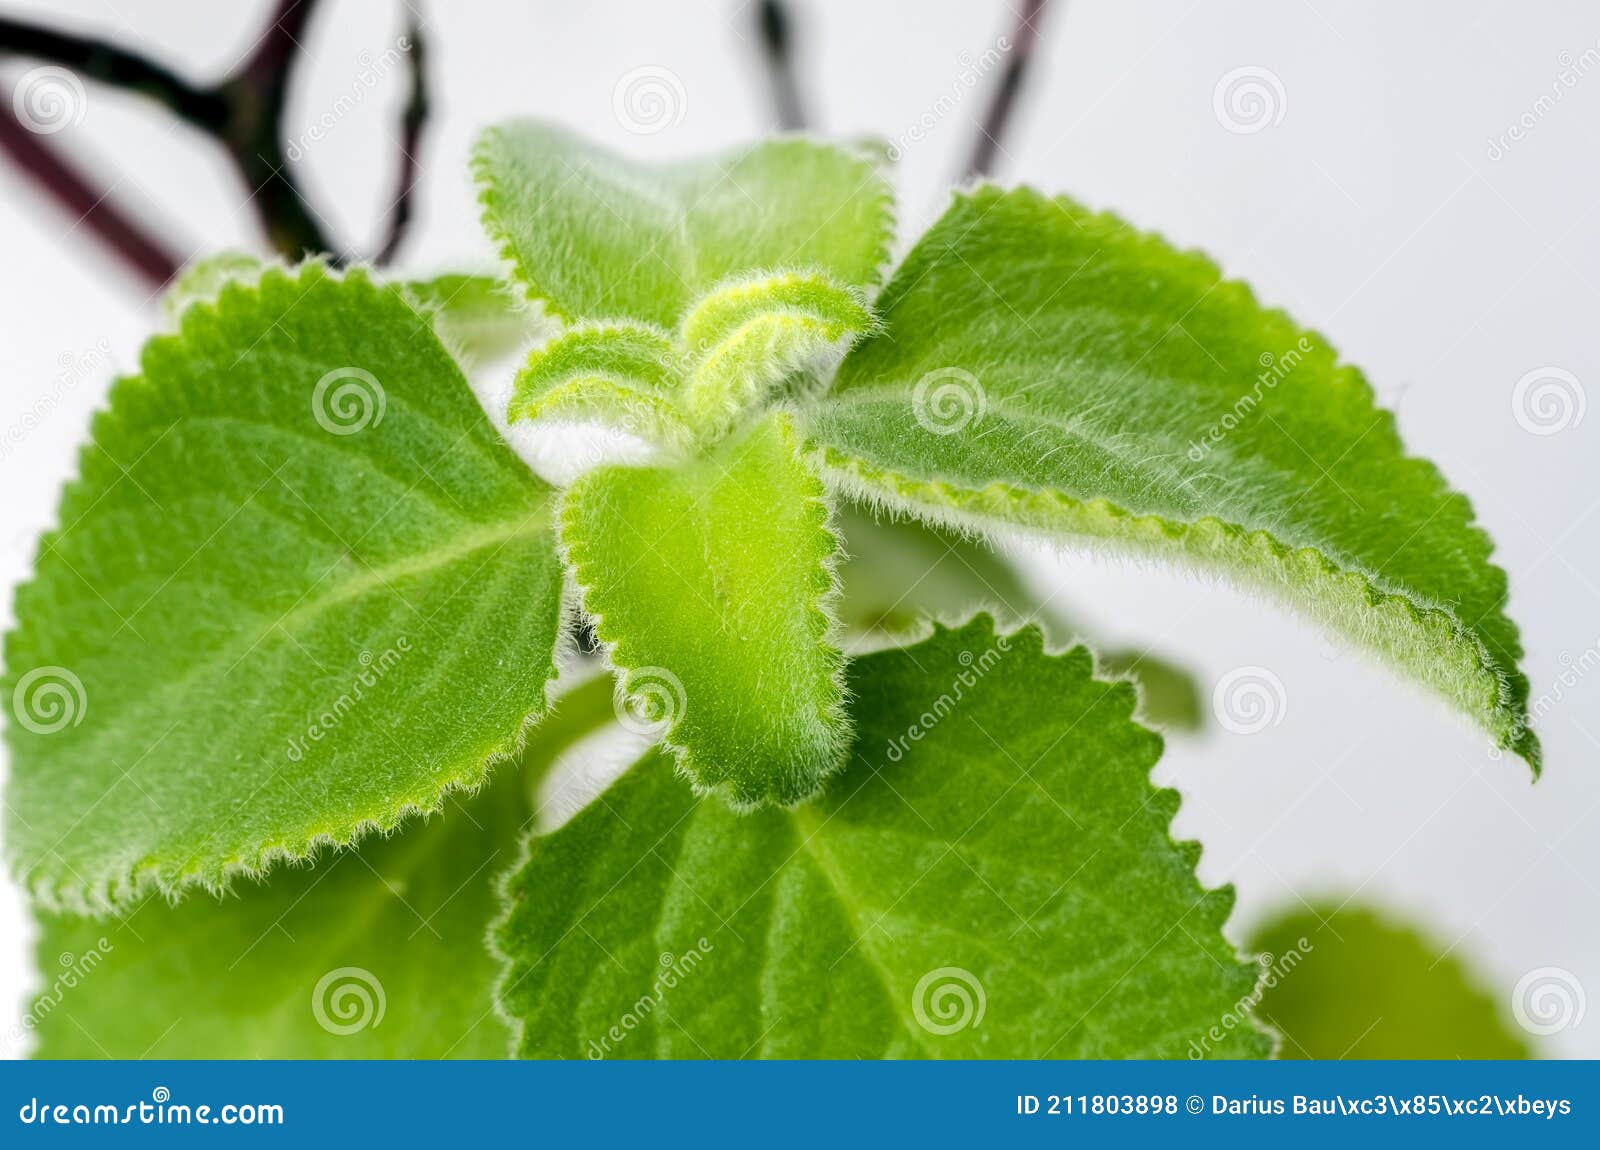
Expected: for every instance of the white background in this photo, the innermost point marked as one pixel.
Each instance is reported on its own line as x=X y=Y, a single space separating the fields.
x=1373 y=211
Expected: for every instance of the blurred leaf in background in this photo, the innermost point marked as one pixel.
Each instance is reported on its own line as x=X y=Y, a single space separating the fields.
x=899 y=573
x=1368 y=986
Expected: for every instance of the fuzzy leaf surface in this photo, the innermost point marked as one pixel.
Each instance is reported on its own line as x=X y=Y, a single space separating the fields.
x=1048 y=368
x=298 y=967
x=395 y=920
x=1003 y=885
x=711 y=581
x=625 y=375
x=598 y=236
x=747 y=337
x=300 y=588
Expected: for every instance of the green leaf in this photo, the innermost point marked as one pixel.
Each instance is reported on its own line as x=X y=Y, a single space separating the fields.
x=710 y=580
x=737 y=345
x=748 y=336
x=627 y=375
x=300 y=589
x=993 y=877
x=900 y=573
x=597 y=236
x=1348 y=982
x=1048 y=368
x=298 y=968
x=1169 y=697
x=203 y=280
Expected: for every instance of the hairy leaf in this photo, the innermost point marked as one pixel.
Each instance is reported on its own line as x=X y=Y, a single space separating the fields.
x=746 y=337
x=375 y=952
x=710 y=581
x=203 y=280
x=627 y=375
x=737 y=345
x=1348 y=982
x=300 y=589
x=597 y=236
x=1048 y=368
x=993 y=877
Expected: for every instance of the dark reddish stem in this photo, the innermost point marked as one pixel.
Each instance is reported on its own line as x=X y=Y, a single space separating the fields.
x=997 y=119
x=244 y=114
x=133 y=244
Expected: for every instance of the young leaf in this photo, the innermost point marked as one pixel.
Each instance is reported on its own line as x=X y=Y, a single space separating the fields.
x=628 y=375
x=1048 y=368
x=993 y=877
x=746 y=337
x=1347 y=982
x=596 y=236
x=737 y=344
x=300 y=589
x=375 y=952
x=711 y=582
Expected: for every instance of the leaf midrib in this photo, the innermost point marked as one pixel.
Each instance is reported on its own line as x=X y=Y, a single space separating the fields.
x=808 y=830
x=369 y=579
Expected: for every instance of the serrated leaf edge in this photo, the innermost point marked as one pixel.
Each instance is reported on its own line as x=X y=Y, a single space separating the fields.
x=139 y=881
x=823 y=622
x=512 y=271
x=1215 y=904
x=955 y=506
x=1442 y=653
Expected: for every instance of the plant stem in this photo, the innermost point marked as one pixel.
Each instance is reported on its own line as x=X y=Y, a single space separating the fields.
x=243 y=114
x=777 y=44
x=997 y=120
x=135 y=247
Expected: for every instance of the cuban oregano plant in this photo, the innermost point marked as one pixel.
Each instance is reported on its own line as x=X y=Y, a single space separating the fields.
x=295 y=678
